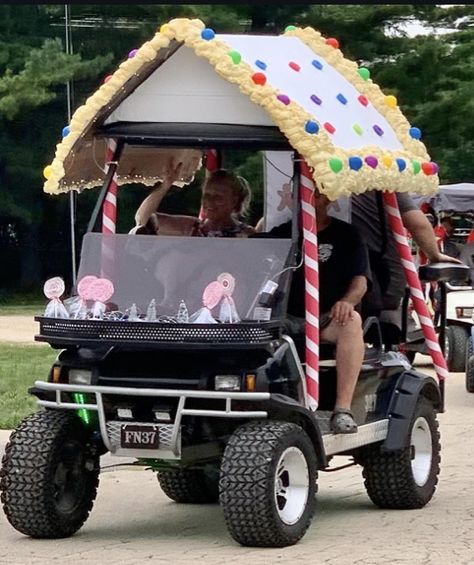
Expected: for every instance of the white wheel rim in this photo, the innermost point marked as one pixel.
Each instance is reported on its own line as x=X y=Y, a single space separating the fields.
x=291 y=485
x=422 y=451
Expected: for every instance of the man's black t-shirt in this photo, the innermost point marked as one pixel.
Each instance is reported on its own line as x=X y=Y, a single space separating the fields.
x=342 y=256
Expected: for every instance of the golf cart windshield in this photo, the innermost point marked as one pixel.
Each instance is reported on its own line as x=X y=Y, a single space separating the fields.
x=172 y=271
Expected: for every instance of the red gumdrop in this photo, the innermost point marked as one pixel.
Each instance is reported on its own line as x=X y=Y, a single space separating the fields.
x=363 y=100
x=259 y=78
x=333 y=42
x=427 y=168
x=107 y=78
x=294 y=66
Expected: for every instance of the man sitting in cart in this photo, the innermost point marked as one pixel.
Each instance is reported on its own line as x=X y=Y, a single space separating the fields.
x=343 y=281
x=225 y=198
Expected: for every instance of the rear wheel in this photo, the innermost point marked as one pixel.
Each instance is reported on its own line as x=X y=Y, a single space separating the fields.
x=190 y=486
x=268 y=484
x=405 y=479
x=49 y=475
x=455 y=348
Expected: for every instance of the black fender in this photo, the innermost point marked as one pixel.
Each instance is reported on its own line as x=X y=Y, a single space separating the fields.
x=285 y=408
x=410 y=386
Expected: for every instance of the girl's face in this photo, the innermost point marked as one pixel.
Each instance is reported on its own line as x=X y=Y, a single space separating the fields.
x=219 y=202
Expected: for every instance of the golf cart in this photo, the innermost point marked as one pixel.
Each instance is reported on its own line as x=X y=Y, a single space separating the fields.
x=455 y=307
x=226 y=408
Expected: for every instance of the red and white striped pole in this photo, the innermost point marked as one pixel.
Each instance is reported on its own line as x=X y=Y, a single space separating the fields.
x=311 y=270
x=213 y=163
x=109 y=216
x=411 y=275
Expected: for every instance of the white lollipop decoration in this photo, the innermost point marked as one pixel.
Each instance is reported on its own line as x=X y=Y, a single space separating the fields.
x=227 y=312
x=54 y=289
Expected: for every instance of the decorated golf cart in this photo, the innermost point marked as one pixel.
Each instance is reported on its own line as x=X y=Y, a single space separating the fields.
x=172 y=350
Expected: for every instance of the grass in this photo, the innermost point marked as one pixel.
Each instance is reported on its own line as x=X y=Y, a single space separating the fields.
x=31 y=309
x=20 y=366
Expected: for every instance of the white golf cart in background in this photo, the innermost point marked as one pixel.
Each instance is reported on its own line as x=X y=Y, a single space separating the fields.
x=457 y=202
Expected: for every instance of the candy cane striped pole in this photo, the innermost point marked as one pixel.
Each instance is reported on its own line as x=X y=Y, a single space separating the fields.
x=109 y=216
x=311 y=270
x=411 y=275
x=213 y=163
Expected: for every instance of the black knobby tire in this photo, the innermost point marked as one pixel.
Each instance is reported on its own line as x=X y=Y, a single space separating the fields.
x=190 y=486
x=391 y=478
x=49 y=475
x=456 y=337
x=469 y=366
x=255 y=486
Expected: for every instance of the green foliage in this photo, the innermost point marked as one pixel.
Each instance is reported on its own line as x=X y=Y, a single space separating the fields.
x=43 y=69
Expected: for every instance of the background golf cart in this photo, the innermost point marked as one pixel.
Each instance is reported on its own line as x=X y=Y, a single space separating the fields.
x=455 y=201
x=267 y=500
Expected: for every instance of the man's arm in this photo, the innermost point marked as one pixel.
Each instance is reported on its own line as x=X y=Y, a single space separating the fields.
x=342 y=310
x=422 y=231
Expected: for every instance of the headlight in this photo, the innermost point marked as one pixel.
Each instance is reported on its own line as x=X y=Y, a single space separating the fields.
x=227 y=382
x=80 y=376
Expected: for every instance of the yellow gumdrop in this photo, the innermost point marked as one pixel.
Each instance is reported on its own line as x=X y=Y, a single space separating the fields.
x=391 y=101
x=164 y=28
x=387 y=161
x=47 y=171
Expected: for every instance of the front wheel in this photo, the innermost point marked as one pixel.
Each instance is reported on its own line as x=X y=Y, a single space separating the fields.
x=455 y=348
x=470 y=365
x=405 y=479
x=49 y=475
x=268 y=484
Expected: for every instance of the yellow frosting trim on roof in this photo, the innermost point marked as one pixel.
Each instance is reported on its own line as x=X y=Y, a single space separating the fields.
x=317 y=149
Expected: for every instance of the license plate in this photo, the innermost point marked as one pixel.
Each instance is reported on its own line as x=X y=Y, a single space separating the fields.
x=139 y=436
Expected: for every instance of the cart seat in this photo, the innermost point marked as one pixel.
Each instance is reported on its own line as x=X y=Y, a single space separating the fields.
x=444 y=272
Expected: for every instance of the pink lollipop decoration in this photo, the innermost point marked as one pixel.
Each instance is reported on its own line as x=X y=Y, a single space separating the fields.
x=228 y=283
x=84 y=287
x=53 y=288
x=212 y=294
x=101 y=290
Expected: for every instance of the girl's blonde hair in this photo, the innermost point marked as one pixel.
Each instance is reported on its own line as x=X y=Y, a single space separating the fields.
x=239 y=186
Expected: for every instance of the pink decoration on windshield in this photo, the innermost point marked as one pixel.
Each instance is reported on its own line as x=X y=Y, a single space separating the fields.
x=84 y=287
x=212 y=294
x=101 y=290
x=54 y=288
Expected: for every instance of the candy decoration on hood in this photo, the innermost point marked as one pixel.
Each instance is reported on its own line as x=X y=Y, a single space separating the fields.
x=227 y=313
x=54 y=289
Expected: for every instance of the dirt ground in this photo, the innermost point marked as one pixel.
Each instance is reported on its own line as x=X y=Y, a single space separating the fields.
x=18 y=329
x=133 y=522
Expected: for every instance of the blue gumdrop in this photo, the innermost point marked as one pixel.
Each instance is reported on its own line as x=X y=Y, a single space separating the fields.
x=401 y=163
x=355 y=163
x=311 y=127
x=415 y=133
x=208 y=34
x=66 y=130
x=317 y=64
x=260 y=64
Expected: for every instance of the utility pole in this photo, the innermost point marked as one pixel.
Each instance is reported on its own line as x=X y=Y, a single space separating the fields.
x=72 y=193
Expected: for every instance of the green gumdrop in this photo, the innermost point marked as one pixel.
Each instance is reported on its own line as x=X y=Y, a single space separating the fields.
x=416 y=167
x=290 y=28
x=364 y=73
x=357 y=129
x=336 y=165
x=235 y=56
